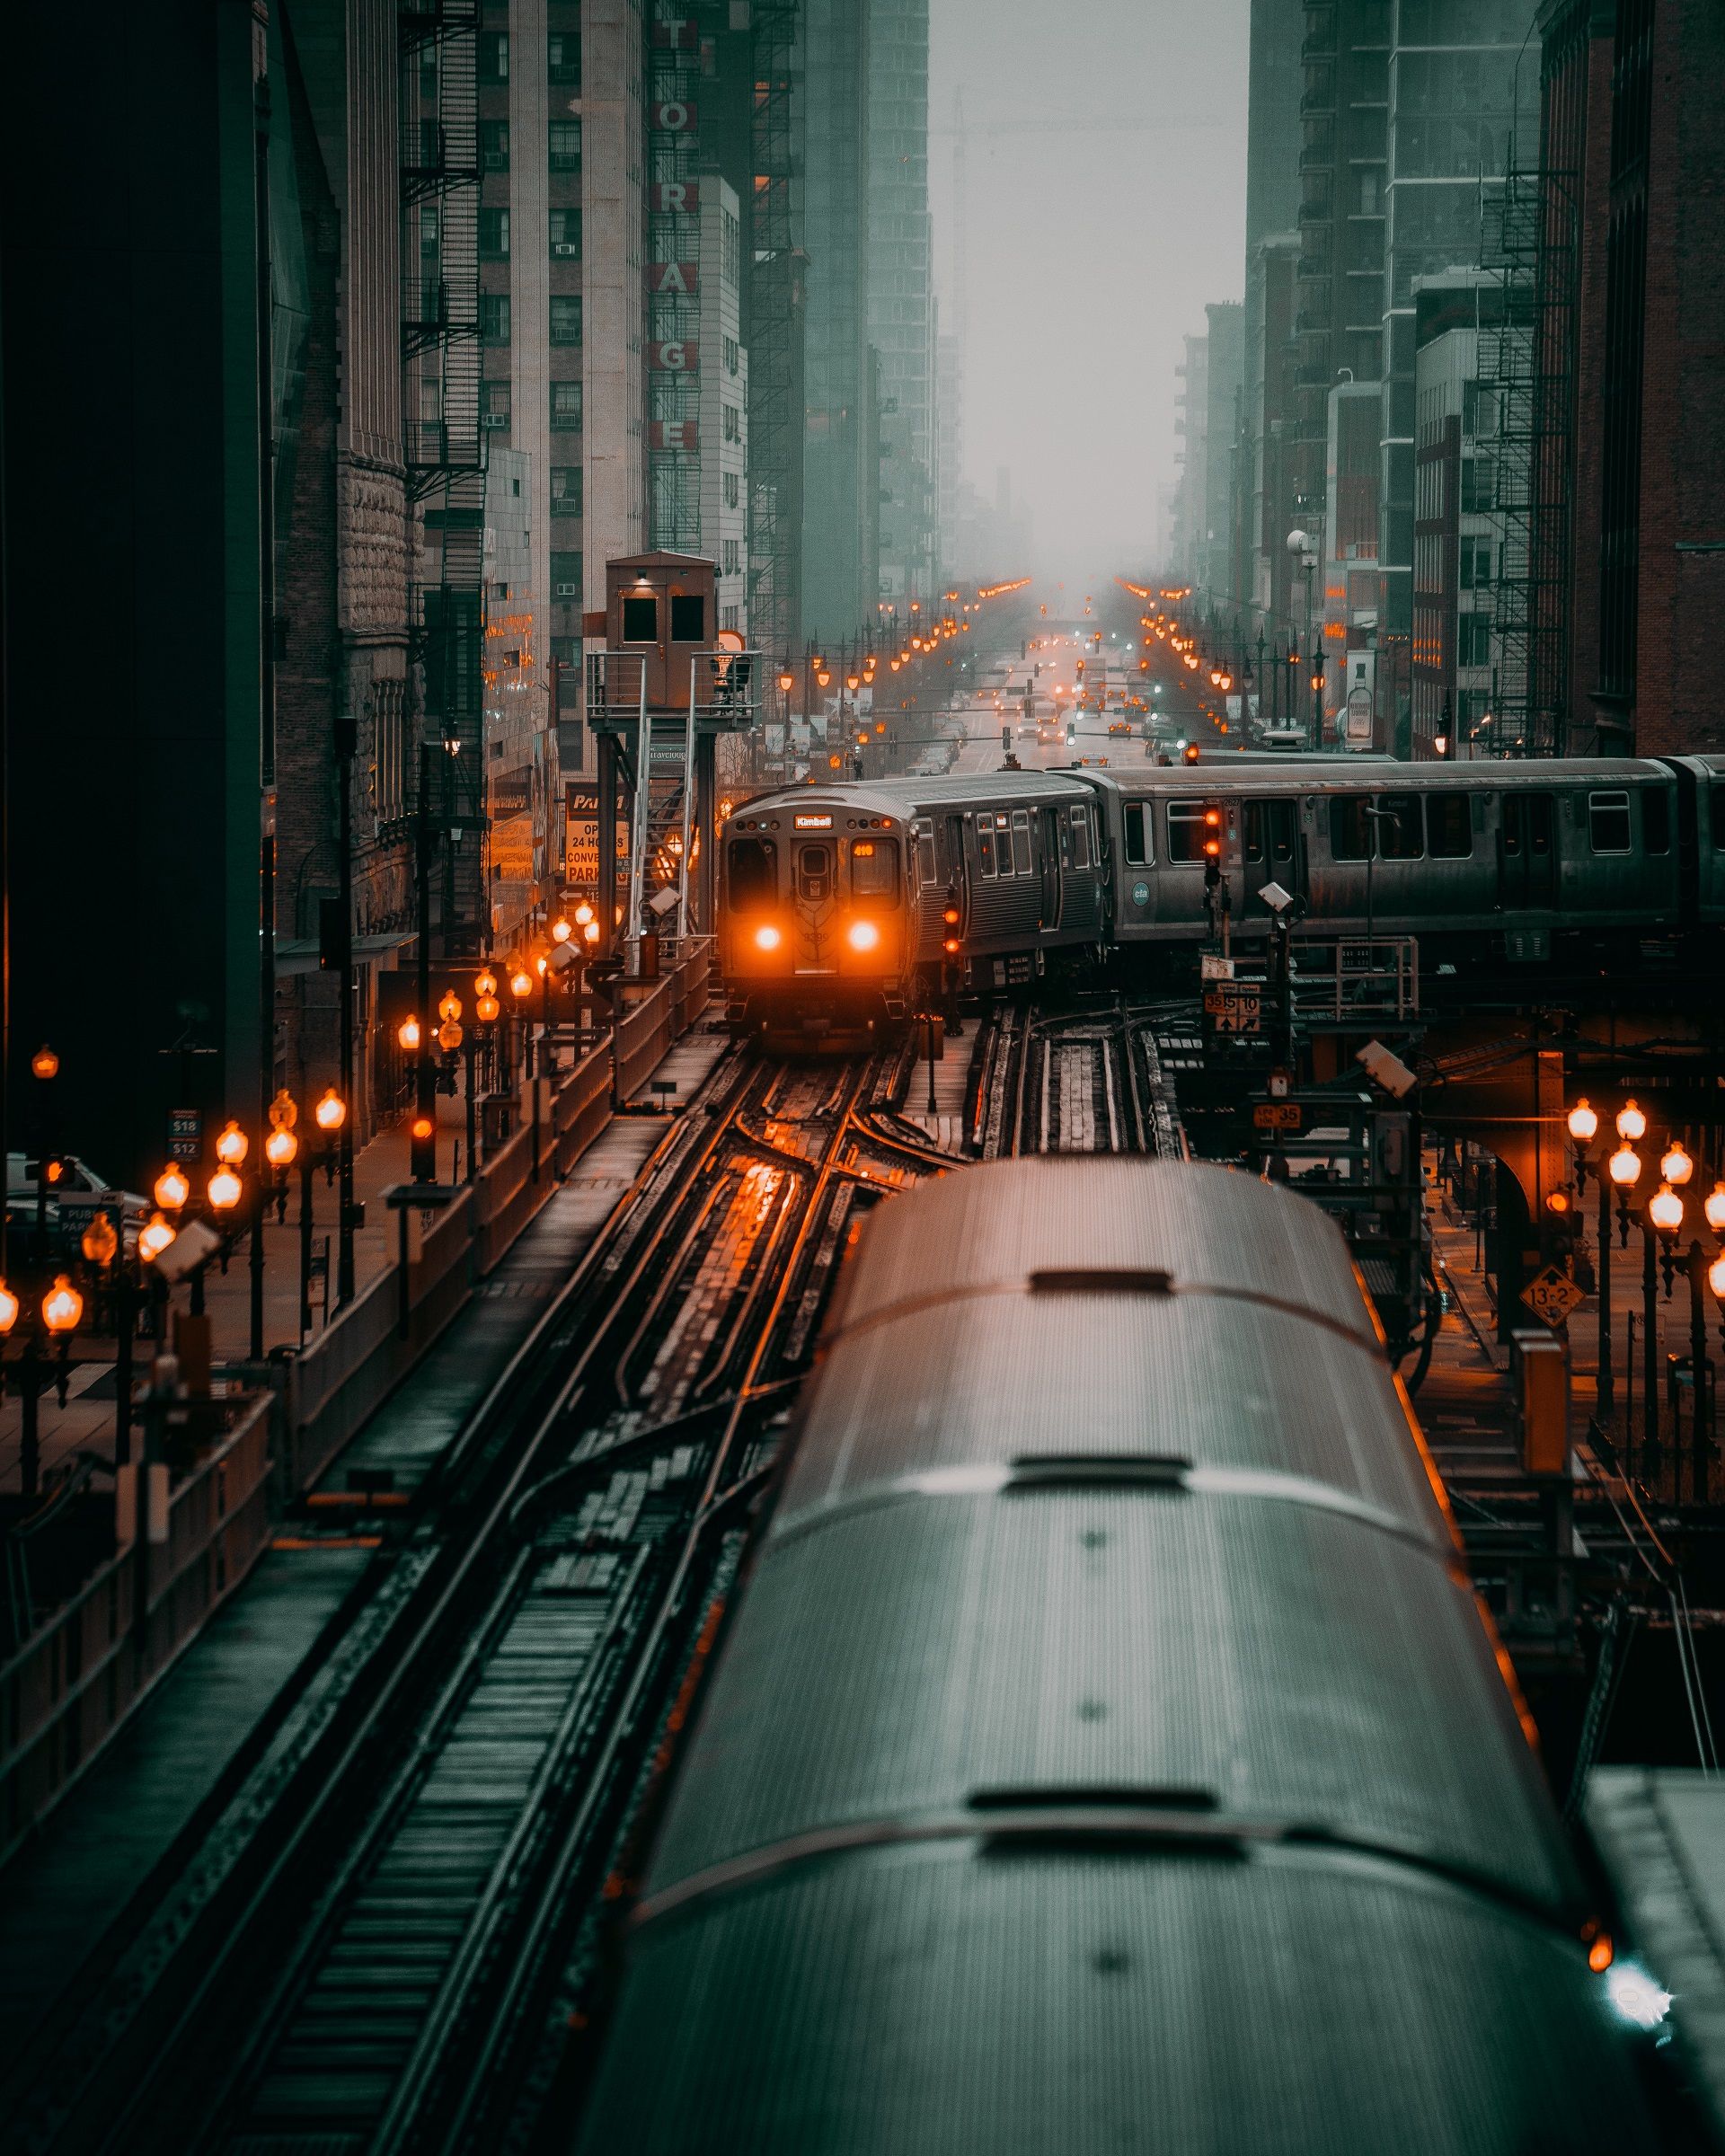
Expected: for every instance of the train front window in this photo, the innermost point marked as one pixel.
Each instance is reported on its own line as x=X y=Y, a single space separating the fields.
x=814 y=874
x=753 y=874
x=1608 y=822
x=874 y=867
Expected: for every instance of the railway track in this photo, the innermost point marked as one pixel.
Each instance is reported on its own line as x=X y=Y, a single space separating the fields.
x=1084 y=1079
x=372 y=1955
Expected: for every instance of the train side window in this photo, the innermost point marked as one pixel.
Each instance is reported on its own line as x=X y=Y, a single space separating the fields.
x=1022 y=841
x=874 y=867
x=1716 y=813
x=1349 y=829
x=754 y=874
x=1080 y=839
x=1137 y=833
x=1449 y=828
x=1655 y=821
x=1608 y=822
x=1003 y=844
x=1405 y=838
x=984 y=845
x=926 y=872
x=1185 y=830
x=1281 y=830
x=1252 y=840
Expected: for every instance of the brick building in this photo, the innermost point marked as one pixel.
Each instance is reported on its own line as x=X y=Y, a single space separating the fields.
x=1635 y=303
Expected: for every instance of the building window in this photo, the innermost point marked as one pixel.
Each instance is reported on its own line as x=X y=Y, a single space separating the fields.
x=493 y=236
x=1368 y=204
x=494 y=145
x=1478 y=409
x=1476 y=564
x=566 y=236
x=565 y=146
x=493 y=403
x=564 y=58
x=733 y=558
x=493 y=57
x=1474 y=640
x=733 y=355
x=565 y=407
x=1479 y=484
x=733 y=423
x=565 y=318
x=733 y=489
x=565 y=490
x=688 y=618
x=494 y=317
x=1608 y=822
x=565 y=576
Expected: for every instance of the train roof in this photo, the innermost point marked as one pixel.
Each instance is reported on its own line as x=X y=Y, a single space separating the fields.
x=988 y=1992
x=913 y=796
x=1388 y=775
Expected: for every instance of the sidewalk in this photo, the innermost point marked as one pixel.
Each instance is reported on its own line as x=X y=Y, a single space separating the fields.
x=87 y=1422
x=185 y=1762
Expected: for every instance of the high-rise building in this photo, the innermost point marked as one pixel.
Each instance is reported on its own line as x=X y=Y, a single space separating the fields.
x=1338 y=317
x=1453 y=83
x=1632 y=444
x=1224 y=359
x=1191 y=424
x=1272 y=204
x=948 y=456
x=901 y=305
x=841 y=564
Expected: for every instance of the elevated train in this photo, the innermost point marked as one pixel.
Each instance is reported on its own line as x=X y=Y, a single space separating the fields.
x=1107 y=1751
x=834 y=899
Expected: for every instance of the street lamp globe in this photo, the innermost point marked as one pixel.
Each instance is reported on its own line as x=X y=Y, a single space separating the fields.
x=232 y=1146
x=280 y=1147
x=1584 y=1121
x=62 y=1307
x=1713 y=1206
x=408 y=1034
x=449 y=1037
x=1625 y=1167
x=449 y=1009
x=99 y=1243
x=1716 y=1278
x=224 y=1190
x=284 y=1111
x=171 y=1188
x=44 y=1064
x=8 y=1310
x=1664 y=1210
x=485 y=1009
x=521 y=983
x=154 y=1237
x=1632 y=1123
x=1676 y=1167
x=559 y=930
x=590 y=930
x=583 y=911
x=332 y=1110
x=787 y=680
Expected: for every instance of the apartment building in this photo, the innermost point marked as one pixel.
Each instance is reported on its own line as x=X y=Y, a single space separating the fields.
x=901 y=301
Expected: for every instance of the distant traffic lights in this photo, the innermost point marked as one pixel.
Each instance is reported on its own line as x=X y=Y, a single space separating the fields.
x=422 y=1147
x=1191 y=752
x=952 y=919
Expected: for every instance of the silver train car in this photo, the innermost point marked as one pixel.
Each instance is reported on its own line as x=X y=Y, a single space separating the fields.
x=1109 y=1750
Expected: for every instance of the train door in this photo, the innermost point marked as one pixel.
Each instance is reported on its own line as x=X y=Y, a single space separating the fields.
x=957 y=869
x=1048 y=863
x=1527 y=853
x=1269 y=845
x=813 y=861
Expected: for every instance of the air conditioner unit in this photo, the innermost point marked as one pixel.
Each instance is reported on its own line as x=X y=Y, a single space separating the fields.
x=493 y=418
x=567 y=591
x=565 y=247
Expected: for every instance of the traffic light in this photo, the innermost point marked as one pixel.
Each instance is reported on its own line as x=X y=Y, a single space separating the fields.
x=422 y=1147
x=1191 y=752
x=1081 y=666
x=953 y=918
x=53 y=1170
x=1212 y=845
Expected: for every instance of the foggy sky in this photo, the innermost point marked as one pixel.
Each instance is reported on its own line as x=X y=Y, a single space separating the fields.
x=1090 y=254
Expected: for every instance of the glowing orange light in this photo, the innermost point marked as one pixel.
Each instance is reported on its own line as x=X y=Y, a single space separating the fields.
x=1664 y=1210
x=332 y=1110
x=1676 y=1167
x=224 y=1190
x=1584 y=1121
x=8 y=1309
x=154 y=1237
x=232 y=1146
x=280 y=1147
x=44 y=1064
x=521 y=983
x=172 y=1188
x=62 y=1307
x=1625 y=1167
x=863 y=935
x=485 y=984
x=408 y=1034
x=1713 y=1206
x=1600 y=1954
x=1632 y=1123
x=767 y=938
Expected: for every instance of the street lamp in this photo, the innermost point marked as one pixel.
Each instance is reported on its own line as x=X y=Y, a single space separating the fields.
x=1632 y=1123
x=172 y=1188
x=1624 y=1169
x=1664 y=1210
x=1676 y=1167
x=1713 y=1206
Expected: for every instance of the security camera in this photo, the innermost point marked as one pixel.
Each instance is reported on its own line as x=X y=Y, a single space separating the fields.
x=195 y=1243
x=1386 y=1070
x=663 y=902
x=1276 y=898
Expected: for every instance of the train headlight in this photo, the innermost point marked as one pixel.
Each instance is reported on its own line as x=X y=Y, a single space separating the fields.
x=767 y=938
x=863 y=935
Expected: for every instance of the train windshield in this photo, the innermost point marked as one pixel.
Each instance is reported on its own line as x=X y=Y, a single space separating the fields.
x=753 y=874
x=874 y=867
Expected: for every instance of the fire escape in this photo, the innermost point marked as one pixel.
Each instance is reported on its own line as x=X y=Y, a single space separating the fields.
x=1527 y=362
x=444 y=444
x=774 y=336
